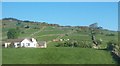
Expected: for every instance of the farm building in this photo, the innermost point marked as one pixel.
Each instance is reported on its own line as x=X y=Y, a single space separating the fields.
x=27 y=43
x=42 y=44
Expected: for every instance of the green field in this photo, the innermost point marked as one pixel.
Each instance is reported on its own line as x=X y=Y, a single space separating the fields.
x=52 y=54
x=56 y=56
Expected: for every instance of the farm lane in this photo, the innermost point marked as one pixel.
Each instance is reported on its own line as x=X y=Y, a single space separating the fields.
x=38 y=31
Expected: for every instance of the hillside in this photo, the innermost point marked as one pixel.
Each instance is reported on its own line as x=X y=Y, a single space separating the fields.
x=43 y=31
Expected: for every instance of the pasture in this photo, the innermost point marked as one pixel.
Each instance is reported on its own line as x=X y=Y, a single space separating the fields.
x=56 y=56
x=52 y=54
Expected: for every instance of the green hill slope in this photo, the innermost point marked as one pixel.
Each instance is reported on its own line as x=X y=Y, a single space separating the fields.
x=53 y=55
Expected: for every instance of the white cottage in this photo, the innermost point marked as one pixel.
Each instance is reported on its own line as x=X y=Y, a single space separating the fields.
x=27 y=43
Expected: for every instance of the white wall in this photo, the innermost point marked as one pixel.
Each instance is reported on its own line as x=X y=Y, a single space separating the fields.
x=16 y=44
x=27 y=43
x=7 y=44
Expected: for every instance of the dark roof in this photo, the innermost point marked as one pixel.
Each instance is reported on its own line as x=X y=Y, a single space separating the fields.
x=14 y=40
x=41 y=43
x=29 y=39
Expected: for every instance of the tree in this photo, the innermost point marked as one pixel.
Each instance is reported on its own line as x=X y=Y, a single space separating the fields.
x=94 y=26
x=12 y=33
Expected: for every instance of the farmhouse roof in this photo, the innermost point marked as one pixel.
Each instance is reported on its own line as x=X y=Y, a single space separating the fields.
x=14 y=40
x=41 y=43
x=29 y=39
x=17 y=40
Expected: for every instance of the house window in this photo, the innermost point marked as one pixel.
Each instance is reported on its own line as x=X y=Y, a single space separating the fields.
x=23 y=45
x=28 y=44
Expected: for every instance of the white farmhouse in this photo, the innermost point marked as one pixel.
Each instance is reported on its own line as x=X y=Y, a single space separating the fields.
x=27 y=43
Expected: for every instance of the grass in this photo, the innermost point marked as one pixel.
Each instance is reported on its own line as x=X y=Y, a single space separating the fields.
x=52 y=44
x=50 y=32
x=53 y=55
x=28 y=32
x=56 y=56
x=45 y=38
x=77 y=37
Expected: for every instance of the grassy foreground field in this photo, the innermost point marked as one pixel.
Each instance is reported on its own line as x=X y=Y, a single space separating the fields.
x=56 y=56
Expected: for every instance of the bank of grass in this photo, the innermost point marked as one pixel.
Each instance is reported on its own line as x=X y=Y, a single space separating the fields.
x=46 y=38
x=56 y=56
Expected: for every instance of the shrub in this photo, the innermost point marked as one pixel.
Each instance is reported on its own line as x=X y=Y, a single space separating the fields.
x=111 y=45
x=22 y=32
x=26 y=26
x=4 y=24
x=12 y=33
x=111 y=34
x=36 y=28
x=85 y=44
x=66 y=34
x=81 y=44
x=18 y=23
x=58 y=45
x=99 y=42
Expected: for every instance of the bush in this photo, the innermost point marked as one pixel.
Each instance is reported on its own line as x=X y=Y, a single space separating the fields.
x=59 y=44
x=12 y=33
x=111 y=34
x=36 y=28
x=101 y=33
x=99 y=42
x=111 y=45
x=22 y=32
x=66 y=34
x=26 y=26
x=18 y=24
x=81 y=44
x=85 y=44
x=4 y=24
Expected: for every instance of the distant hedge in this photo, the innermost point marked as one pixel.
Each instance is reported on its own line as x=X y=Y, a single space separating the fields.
x=110 y=34
x=82 y=44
